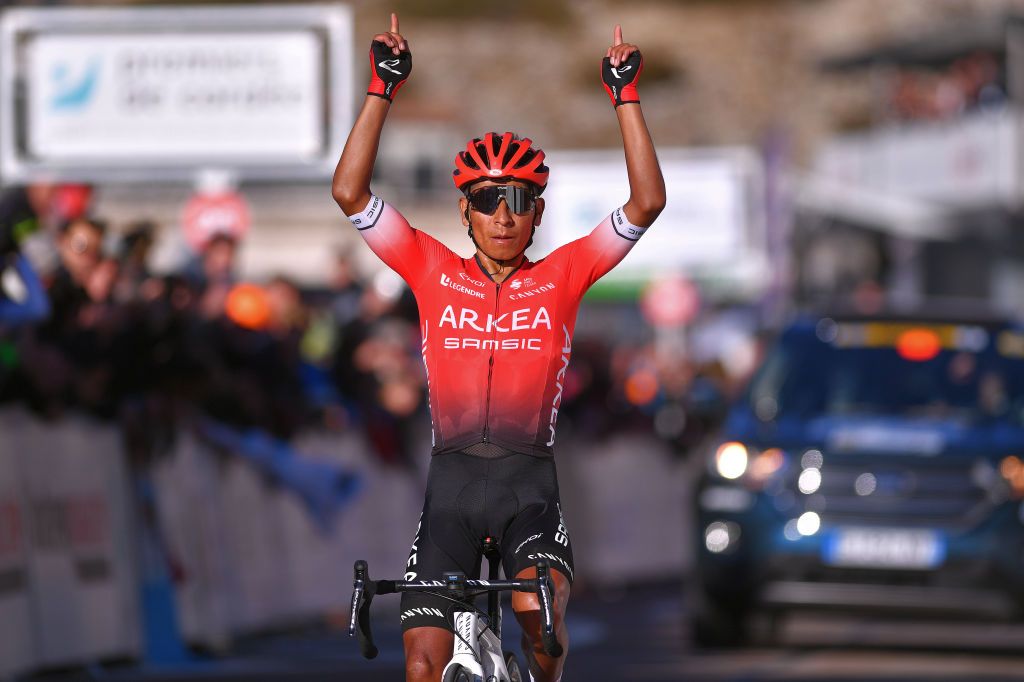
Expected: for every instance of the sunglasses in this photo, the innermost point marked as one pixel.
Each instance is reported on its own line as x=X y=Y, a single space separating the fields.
x=519 y=200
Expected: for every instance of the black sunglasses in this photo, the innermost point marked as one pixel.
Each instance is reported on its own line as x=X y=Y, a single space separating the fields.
x=520 y=200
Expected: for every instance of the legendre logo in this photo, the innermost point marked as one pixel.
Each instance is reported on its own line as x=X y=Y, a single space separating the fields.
x=447 y=281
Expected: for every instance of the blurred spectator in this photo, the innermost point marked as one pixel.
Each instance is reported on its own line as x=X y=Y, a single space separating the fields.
x=288 y=315
x=970 y=82
x=21 y=211
x=79 y=247
x=212 y=273
x=50 y=206
x=135 y=281
x=378 y=367
x=22 y=297
x=345 y=289
x=218 y=260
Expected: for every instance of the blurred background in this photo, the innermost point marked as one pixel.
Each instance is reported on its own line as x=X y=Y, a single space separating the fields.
x=211 y=394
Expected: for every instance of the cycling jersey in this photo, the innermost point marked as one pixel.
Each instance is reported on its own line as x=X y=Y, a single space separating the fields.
x=496 y=354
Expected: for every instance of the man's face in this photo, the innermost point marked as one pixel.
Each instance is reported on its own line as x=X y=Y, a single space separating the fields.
x=80 y=247
x=219 y=259
x=504 y=234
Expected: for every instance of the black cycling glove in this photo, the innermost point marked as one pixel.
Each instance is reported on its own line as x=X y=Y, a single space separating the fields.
x=620 y=81
x=389 y=71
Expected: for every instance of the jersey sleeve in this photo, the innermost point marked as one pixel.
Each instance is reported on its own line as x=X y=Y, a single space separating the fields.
x=589 y=258
x=406 y=250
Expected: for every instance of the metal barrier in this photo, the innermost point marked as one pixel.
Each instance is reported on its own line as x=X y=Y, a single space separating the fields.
x=238 y=553
x=17 y=644
x=71 y=594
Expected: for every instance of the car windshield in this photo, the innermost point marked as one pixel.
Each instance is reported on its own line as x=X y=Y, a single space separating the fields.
x=811 y=372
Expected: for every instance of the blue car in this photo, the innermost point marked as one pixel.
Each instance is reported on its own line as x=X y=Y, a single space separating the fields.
x=873 y=464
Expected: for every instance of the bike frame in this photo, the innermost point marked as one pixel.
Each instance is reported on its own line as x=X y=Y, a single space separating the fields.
x=477 y=645
x=477 y=649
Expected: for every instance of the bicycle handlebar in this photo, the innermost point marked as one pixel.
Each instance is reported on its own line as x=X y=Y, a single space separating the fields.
x=364 y=590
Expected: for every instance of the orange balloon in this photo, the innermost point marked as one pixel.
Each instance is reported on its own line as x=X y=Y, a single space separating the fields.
x=641 y=387
x=247 y=306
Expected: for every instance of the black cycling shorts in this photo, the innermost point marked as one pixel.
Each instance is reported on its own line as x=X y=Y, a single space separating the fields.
x=512 y=499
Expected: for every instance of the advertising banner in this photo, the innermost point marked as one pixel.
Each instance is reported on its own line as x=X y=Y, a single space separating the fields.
x=79 y=542
x=17 y=645
x=175 y=96
x=712 y=225
x=162 y=94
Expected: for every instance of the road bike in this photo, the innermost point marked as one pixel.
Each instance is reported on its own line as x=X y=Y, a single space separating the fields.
x=477 y=655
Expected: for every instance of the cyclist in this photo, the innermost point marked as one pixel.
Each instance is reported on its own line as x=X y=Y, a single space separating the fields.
x=496 y=333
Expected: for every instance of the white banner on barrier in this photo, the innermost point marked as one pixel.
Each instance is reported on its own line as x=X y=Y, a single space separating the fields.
x=188 y=495
x=81 y=564
x=251 y=555
x=17 y=646
x=255 y=542
x=378 y=525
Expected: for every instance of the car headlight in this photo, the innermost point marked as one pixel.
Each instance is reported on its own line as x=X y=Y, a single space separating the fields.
x=731 y=460
x=734 y=461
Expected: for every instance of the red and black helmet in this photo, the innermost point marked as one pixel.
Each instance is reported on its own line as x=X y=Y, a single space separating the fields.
x=500 y=157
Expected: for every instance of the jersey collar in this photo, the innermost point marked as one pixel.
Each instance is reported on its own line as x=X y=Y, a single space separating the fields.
x=486 y=274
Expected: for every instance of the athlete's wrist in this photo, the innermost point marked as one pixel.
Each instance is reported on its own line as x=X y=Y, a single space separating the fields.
x=388 y=71
x=620 y=79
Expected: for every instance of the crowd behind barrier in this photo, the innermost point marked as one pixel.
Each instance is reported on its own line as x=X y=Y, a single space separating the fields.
x=240 y=442
x=91 y=329
x=972 y=82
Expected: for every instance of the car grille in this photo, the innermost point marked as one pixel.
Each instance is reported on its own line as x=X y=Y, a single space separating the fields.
x=908 y=492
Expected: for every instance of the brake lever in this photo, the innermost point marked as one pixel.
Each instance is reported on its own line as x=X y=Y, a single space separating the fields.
x=551 y=646
x=363 y=590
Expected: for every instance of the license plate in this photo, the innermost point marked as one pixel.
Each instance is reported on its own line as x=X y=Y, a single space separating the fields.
x=885 y=548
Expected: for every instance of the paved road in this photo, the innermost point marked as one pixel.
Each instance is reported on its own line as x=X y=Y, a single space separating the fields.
x=640 y=636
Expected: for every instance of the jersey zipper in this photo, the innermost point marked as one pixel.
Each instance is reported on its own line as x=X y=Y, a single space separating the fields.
x=490 y=365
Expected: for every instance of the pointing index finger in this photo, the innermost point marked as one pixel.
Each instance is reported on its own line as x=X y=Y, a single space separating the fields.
x=394 y=23
x=618 y=35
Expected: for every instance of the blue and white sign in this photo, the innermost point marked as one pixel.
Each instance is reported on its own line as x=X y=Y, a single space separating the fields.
x=175 y=96
x=129 y=94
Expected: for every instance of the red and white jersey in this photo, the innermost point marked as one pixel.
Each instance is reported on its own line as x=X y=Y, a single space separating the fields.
x=496 y=354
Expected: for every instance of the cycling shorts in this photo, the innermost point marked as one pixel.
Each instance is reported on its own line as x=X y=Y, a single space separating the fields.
x=511 y=498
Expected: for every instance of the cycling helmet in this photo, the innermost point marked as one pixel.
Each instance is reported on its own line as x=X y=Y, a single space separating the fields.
x=500 y=157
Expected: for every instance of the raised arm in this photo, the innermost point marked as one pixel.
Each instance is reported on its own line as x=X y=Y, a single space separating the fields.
x=620 y=71
x=390 y=63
